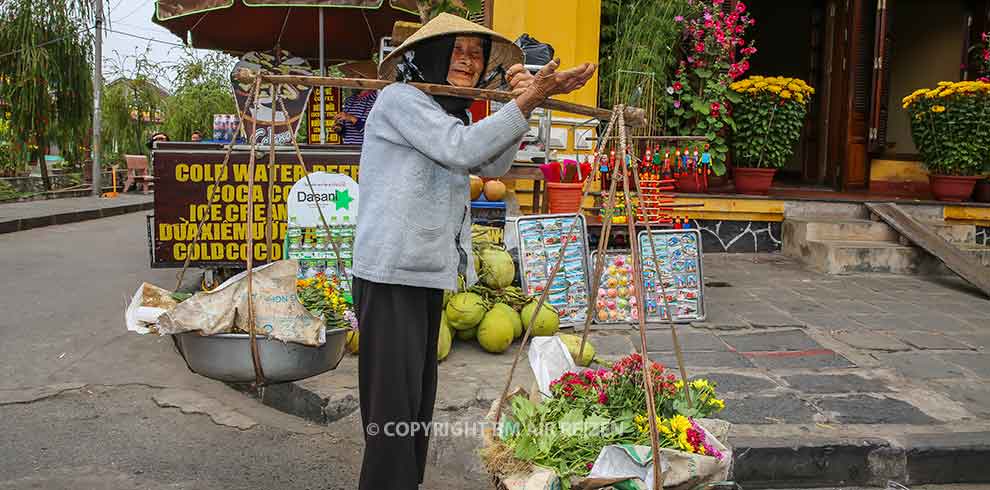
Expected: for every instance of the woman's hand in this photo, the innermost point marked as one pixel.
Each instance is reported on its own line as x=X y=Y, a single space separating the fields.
x=548 y=82
x=519 y=79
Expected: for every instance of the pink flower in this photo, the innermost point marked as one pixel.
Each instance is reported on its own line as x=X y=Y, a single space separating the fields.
x=709 y=24
x=677 y=104
x=750 y=51
x=699 y=47
x=740 y=7
x=708 y=16
x=717 y=2
x=740 y=29
x=602 y=398
x=679 y=18
x=985 y=79
x=592 y=465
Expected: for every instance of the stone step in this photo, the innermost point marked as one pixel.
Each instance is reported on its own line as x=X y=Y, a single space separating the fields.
x=953 y=233
x=839 y=229
x=852 y=256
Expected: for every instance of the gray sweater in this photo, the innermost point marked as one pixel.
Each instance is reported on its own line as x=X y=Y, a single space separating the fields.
x=414 y=218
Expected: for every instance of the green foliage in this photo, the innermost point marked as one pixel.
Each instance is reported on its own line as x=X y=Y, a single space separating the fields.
x=202 y=89
x=769 y=117
x=429 y=9
x=47 y=80
x=130 y=106
x=950 y=125
x=639 y=36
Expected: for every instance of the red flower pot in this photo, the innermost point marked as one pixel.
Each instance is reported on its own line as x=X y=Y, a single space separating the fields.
x=755 y=181
x=982 y=192
x=952 y=188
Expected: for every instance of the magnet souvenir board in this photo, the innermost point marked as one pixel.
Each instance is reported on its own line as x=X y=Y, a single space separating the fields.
x=540 y=242
x=616 y=295
x=679 y=254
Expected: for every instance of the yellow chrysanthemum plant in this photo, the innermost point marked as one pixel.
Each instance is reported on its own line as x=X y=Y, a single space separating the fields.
x=769 y=116
x=323 y=296
x=950 y=125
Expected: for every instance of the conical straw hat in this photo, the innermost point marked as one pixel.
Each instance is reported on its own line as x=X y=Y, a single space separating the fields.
x=503 y=53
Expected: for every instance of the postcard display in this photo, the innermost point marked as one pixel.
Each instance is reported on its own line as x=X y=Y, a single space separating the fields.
x=308 y=241
x=540 y=242
x=679 y=255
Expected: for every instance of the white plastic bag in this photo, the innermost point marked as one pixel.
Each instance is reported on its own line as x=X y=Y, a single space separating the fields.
x=549 y=359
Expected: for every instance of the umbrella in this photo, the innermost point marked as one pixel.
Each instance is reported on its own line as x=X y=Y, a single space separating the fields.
x=352 y=28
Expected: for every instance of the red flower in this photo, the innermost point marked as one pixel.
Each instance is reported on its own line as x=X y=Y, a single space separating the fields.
x=677 y=85
x=699 y=47
x=716 y=106
x=718 y=2
x=740 y=7
x=750 y=51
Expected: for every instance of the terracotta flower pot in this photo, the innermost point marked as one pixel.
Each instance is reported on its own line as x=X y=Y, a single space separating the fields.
x=755 y=181
x=982 y=192
x=952 y=188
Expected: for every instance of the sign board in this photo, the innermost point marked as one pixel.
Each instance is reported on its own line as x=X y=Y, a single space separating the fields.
x=332 y=104
x=259 y=114
x=335 y=194
x=185 y=178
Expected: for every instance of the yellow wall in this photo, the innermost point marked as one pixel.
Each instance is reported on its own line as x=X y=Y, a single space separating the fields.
x=570 y=26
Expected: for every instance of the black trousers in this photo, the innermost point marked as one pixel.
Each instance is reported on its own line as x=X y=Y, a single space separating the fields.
x=397 y=378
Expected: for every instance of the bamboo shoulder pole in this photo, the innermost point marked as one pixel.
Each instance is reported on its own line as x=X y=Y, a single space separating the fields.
x=634 y=117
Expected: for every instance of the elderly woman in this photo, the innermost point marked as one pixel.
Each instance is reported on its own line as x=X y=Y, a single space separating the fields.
x=413 y=232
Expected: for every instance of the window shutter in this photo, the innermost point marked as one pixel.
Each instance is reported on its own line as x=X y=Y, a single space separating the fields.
x=880 y=93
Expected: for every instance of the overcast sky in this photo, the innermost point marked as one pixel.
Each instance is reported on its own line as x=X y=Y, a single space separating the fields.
x=134 y=17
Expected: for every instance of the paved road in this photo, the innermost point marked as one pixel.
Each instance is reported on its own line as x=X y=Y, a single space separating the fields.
x=86 y=405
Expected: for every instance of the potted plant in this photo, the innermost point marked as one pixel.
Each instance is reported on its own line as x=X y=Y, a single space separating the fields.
x=714 y=52
x=982 y=192
x=950 y=125
x=769 y=116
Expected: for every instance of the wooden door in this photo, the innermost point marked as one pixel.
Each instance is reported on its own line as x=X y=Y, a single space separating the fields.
x=854 y=173
x=880 y=92
x=836 y=91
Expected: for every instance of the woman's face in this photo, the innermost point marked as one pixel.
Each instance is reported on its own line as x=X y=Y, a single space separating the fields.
x=467 y=62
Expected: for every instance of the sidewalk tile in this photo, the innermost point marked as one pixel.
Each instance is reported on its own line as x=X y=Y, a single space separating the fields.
x=786 y=340
x=870 y=341
x=737 y=383
x=832 y=384
x=824 y=359
x=865 y=409
x=921 y=365
x=927 y=341
x=705 y=360
x=978 y=362
x=759 y=410
x=662 y=341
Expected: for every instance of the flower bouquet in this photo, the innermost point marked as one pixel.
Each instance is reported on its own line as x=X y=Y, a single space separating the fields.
x=593 y=417
x=323 y=297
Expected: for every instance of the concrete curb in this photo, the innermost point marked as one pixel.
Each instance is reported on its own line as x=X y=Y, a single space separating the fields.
x=922 y=459
x=760 y=462
x=22 y=224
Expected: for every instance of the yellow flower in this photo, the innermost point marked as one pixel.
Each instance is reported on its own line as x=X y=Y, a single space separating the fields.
x=785 y=94
x=715 y=402
x=931 y=94
x=680 y=423
x=944 y=84
x=798 y=97
x=774 y=88
x=753 y=90
x=756 y=78
x=938 y=108
x=701 y=383
x=679 y=384
x=947 y=92
x=760 y=84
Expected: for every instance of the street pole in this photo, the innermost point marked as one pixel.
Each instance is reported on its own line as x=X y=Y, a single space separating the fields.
x=97 y=93
x=323 y=73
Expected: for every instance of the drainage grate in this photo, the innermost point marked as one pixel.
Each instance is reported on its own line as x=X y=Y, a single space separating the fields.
x=718 y=284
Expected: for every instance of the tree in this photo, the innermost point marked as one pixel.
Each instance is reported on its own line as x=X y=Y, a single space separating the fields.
x=131 y=105
x=429 y=9
x=202 y=89
x=45 y=62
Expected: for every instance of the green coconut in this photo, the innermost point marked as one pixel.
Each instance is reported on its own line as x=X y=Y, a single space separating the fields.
x=466 y=335
x=514 y=318
x=495 y=333
x=465 y=311
x=497 y=269
x=573 y=343
x=547 y=321
x=444 y=342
